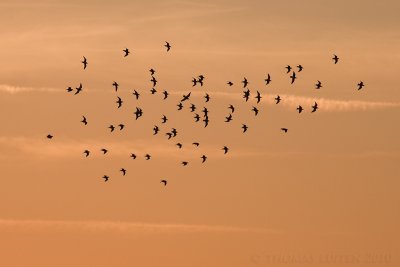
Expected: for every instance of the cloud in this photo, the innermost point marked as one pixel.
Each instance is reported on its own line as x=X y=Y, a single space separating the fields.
x=21 y=89
x=129 y=227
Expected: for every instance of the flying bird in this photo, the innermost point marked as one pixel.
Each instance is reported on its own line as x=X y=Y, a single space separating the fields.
x=121 y=126
x=197 y=117
x=111 y=127
x=147 y=156
x=133 y=156
x=229 y=83
x=192 y=107
x=245 y=82
x=246 y=94
x=335 y=59
x=205 y=111
x=152 y=71
x=119 y=102
x=299 y=108
x=138 y=113
x=105 y=177
x=79 y=89
x=174 y=132
x=69 y=89
x=104 y=150
x=164 y=182
x=288 y=68
x=244 y=127
x=164 y=119
x=194 y=81
x=258 y=97
x=49 y=136
x=136 y=94
x=318 y=85
x=360 y=85
x=153 y=91
x=84 y=62
x=232 y=108
x=126 y=50
x=204 y=158
x=314 y=107
x=115 y=84
x=84 y=121
x=156 y=130
x=153 y=79
x=179 y=145
x=86 y=152
x=186 y=97
x=293 y=77
x=268 y=79
x=255 y=111
x=167 y=45
x=206 y=121
x=196 y=143
x=300 y=67
x=123 y=171
x=169 y=135
x=180 y=106
x=184 y=163
x=225 y=149
x=165 y=94
x=284 y=129
x=207 y=97
x=229 y=118
x=278 y=99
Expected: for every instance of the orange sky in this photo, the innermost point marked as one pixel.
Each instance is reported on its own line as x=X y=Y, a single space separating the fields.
x=324 y=194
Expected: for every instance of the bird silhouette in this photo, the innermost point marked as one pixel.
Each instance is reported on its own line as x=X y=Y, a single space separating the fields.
x=174 y=132
x=123 y=171
x=115 y=84
x=165 y=94
x=196 y=117
x=192 y=107
x=232 y=108
x=136 y=94
x=229 y=118
x=84 y=121
x=314 y=107
x=245 y=82
x=153 y=79
x=288 y=68
x=104 y=150
x=105 y=177
x=164 y=119
x=179 y=145
x=284 y=129
x=293 y=77
x=194 y=81
x=204 y=158
x=111 y=127
x=278 y=99
x=268 y=79
x=186 y=97
x=246 y=95
x=207 y=97
x=133 y=156
x=255 y=111
x=300 y=67
x=138 y=113
x=205 y=111
x=153 y=91
x=164 y=182
x=167 y=45
x=119 y=102
x=121 y=126
x=84 y=62
x=184 y=163
x=180 y=106
x=225 y=149
x=360 y=85
x=258 y=97
x=229 y=83
x=86 y=152
x=196 y=143
x=318 y=85
x=147 y=156
x=69 y=89
x=79 y=89
x=299 y=108
x=49 y=136
x=169 y=135
x=335 y=59
x=152 y=71
x=244 y=127
x=156 y=130
x=206 y=121
x=126 y=50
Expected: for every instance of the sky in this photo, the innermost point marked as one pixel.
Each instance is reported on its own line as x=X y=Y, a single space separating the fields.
x=323 y=194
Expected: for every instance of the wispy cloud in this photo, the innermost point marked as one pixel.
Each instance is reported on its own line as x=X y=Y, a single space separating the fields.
x=129 y=227
x=21 y=89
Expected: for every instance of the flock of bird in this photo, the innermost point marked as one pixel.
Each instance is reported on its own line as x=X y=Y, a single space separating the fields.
x=199 y=80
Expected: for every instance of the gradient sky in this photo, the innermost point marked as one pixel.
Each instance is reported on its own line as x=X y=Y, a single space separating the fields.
x=324 y=194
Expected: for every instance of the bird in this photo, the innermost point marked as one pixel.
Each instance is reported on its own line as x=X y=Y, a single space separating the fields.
x=194 y=81
x=84 y=62
x=138 y=113
x=126 y=50
x=167 y=45
x=205 y=111
x=115 y=84
x=360 y=85
x=192 y=107
x=169 y=135
x=119 y=102
x=245 y=82
x=49 y=136
x=255 y=111
x=318 y=85
x=258 y=97
x=204 y=158
x=69 y=89
x=111 y=127
x=284 y=129
x=164 y=182
x=105 y=177
x=288 y=68
x=86 y=152
x=206 y=121
x=84 y=121
x=121 y=126
x=164 y=119
x=174 y=132
x=147 y=156
x=314 y=107
x=179 y=145
x=123 y=171
x=156 y=130
x=196 y=117
x=200 y=79
x=152 y=71
x=225 y=149
x=153 y=79
x=299 y=108
x=133 y=156
x=136 y=94
x=184 y=163
x=186 y=97
x=229 y=118
x=207 y=97
x=244 y=127
x=246 y=95
x=229 y=83
x=232 y=108
x=165 y=94
x=335 y=59
x=196 y=143
x=79 y=89
x=278 y=99
x=153 y=91
x=180 y=106
x=104 y=150
x=300 y=67
x=268 y=79
x=293 y=77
